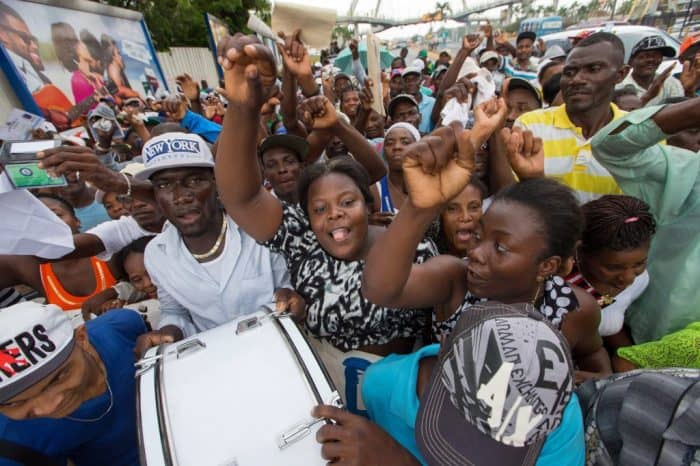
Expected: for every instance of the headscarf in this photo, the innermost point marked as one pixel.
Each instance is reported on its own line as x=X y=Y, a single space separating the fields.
x=407 y=126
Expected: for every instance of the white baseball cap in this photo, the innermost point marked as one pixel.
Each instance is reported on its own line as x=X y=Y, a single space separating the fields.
x=35 y=340
x=488 y=55
x=174 y=150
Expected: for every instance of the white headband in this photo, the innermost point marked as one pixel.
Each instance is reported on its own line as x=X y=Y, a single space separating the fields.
x=408 y=127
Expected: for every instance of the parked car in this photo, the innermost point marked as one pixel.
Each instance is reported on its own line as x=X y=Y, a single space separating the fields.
x=629 y=34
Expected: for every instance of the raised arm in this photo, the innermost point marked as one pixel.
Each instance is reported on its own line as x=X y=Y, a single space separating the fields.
x=662 y=176
x=469 y=44
x=297 y=71
x=70 y=159
x=434 y=172
x=249 y=76
x=436 y=169
x=675 y=118
x=319 y=114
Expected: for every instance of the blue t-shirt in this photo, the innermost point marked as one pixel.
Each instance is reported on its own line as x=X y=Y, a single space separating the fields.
x=389 y=394
x=197 y=124
x=91 y=216
x=425 y=107
x=113 y=439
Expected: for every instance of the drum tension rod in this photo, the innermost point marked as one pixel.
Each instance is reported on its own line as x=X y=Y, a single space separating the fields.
x=181 y=350
x=297 y=433
x=256 y=321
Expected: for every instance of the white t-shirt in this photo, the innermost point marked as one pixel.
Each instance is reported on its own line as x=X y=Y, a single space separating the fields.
x=612 y=317
x=671 y=88
x=117 y=234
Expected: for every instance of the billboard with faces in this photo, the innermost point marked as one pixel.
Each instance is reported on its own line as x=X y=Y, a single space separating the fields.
x=63 y=56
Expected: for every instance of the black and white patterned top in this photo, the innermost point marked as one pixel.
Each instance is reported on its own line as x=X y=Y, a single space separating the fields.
x=558 y=299
x=336 y=309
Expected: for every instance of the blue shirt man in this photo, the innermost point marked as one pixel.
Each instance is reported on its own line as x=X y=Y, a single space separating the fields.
x=46 y=403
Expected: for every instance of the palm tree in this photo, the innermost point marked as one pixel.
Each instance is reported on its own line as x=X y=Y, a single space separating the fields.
x=442 y=9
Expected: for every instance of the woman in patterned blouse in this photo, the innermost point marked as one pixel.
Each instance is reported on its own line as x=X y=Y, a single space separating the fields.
x=327 y=236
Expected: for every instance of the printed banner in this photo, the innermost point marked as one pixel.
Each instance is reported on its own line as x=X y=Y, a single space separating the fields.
x=70 y=59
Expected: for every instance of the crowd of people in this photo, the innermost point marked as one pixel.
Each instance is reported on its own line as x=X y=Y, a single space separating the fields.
x=493 y=231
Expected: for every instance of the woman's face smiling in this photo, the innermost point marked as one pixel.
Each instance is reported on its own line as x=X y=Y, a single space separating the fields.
x=505 y=262
x=610 y=272
x=338 y=216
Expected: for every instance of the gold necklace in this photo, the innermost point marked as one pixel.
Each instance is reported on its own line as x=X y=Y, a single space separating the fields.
x=212 y=251
x=605 y=299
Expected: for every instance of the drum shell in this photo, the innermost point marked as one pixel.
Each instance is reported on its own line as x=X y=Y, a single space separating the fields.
x=230 y=396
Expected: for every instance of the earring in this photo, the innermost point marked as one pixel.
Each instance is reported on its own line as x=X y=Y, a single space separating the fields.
x=537 y=292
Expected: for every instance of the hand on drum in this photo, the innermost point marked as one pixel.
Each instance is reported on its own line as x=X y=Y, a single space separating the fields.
x=287 y=300
x=356 y=441
x=168 y=334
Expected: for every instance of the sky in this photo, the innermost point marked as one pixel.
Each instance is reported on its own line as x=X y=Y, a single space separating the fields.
x=403 y=9
x=407 y=9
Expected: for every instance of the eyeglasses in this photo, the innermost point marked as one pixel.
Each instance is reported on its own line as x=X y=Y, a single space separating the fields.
x=25 y=36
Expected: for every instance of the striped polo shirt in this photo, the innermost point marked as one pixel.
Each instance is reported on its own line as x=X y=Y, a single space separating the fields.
x=567 y=154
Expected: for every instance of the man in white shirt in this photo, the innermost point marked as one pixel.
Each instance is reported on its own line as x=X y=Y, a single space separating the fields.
x=206 y=269
x=645 y=59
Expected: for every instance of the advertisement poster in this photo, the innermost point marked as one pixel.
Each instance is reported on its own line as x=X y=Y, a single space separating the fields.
x=69 y=59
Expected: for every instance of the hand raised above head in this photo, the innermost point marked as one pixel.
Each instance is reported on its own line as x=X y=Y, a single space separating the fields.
x=462 y=89
x=366 y=96
x=489 y=117
x=175 y=107
x=438 y=167
x=471 y=41
x=525 y=152
x=294 y=53
x=188 y=85
x=249 y=71
x=318 y=113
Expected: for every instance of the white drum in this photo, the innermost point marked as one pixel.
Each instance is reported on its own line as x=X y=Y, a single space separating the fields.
x=240 y=394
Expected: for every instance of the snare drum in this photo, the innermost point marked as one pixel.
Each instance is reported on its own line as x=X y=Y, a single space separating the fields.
x=239 y=394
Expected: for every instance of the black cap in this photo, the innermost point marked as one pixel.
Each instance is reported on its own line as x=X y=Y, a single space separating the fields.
x=294 y=143
x=520 y=83
x=398 y=99
x=526 y=35
x=653 y=43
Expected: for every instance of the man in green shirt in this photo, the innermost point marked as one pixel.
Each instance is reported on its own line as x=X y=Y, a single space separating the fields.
x=668 y=179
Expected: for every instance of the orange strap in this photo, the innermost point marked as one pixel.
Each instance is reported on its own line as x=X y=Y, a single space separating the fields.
x=56 y=294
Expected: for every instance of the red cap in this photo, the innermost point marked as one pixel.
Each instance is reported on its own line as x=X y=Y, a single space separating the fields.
x=581 y=35
x=688 y=42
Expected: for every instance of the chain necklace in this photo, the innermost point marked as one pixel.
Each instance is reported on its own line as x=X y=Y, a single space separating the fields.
x=605 y=299
x=217 y=245
x=109 y=408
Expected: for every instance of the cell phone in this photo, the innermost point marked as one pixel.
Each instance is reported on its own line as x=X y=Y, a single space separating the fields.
x=21 y=164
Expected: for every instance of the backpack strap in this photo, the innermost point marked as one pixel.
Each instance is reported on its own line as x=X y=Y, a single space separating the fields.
x=24 y=455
